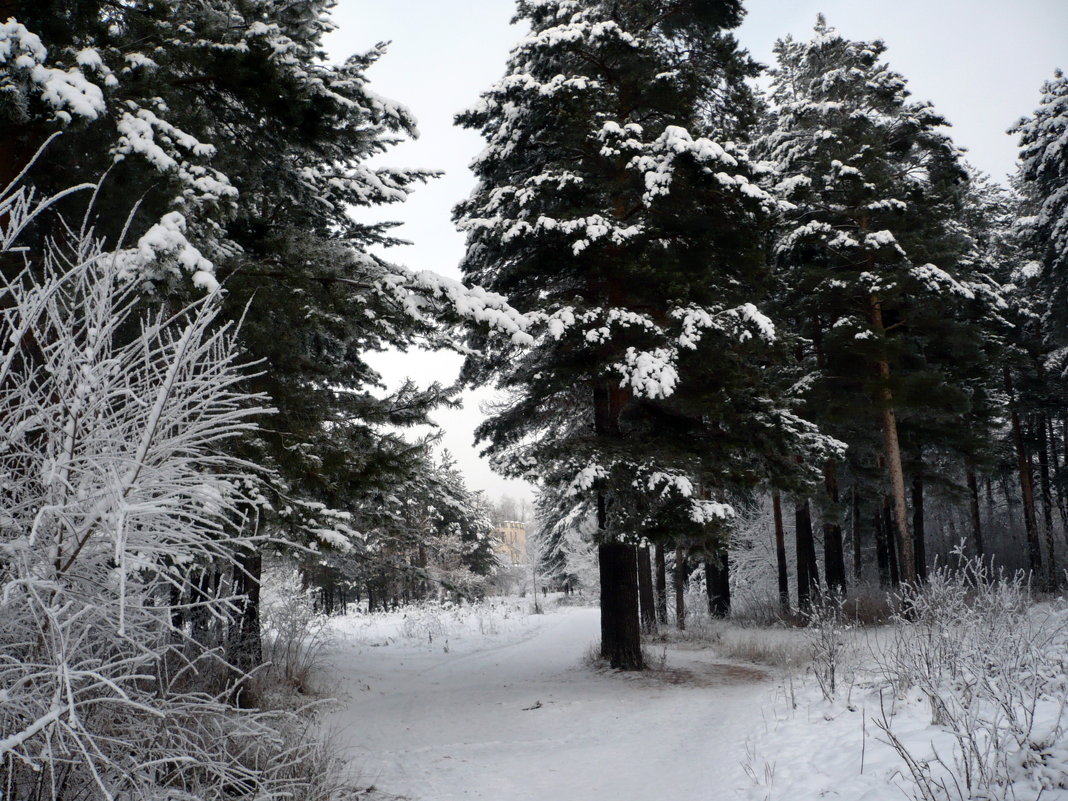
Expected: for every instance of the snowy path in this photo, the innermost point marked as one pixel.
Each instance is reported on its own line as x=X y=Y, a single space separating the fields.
x=432 y=725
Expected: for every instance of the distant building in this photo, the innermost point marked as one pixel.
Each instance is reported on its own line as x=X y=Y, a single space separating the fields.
x=512 y=542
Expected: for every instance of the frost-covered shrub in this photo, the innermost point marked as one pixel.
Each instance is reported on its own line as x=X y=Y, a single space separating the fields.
x=295 y=635
x=434 y=624
x=994 y=670
x=831 y=647
x=426 y=621
x=114 y=488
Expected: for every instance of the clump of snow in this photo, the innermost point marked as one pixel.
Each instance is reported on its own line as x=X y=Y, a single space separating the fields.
x=585 y=478
x=68 y=91
x=649 y=374
x=166 y=242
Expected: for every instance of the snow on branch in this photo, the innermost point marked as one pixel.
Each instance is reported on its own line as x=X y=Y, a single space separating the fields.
x=416 y=292
x=68 y=92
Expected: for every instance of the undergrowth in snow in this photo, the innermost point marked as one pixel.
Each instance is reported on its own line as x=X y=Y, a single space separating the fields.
x=433 y=625
x=962 y=698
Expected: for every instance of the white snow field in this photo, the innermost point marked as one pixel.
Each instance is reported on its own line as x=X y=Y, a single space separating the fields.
x=489 y=702
x=435 y=725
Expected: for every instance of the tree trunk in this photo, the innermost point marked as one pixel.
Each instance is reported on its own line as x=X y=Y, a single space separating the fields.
x=808 y=577
x=1058 y=488
x=645 y=591
x=534 y=584
x=891 y=551
x=973 y=503
x=833 y=555
x=893 y=453
x=205 y=589
x=718 y=584
x=1064 y=439
x=661 y=585
x=858 y=561
x=918 y=526
x=1038 y=426
x=1010 y=517
x=245 y=647
x=680 y=589
x=621 y=642
x=620 y=628
x=178 y=608
x=834 y=558
x=882 y=550
x=780 y=554
x=1027 y=492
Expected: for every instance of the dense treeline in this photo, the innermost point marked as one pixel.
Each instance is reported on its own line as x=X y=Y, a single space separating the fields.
x=903 y=392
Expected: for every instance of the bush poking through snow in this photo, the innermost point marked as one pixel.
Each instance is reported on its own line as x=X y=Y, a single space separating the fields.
x=295 y=636
x=433 y=624
x=831 y=646
x=994 y=670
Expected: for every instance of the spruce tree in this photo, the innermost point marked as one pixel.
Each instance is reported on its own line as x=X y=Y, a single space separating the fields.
x=614 y=207
x=1043 y=175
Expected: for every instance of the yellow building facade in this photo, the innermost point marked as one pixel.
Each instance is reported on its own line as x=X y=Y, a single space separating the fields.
x=512 y=542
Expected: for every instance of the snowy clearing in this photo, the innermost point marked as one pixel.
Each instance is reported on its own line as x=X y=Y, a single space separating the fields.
x=516 y=714
x=488 y=701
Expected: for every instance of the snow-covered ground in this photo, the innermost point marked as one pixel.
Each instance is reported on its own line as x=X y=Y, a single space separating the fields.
x=515 y=714
x=491 y=702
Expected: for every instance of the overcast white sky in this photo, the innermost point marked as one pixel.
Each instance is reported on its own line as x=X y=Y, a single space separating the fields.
x=981 y=62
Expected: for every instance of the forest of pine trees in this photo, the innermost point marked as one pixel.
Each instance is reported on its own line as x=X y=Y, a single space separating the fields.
x=807 y=295
x=719 y=301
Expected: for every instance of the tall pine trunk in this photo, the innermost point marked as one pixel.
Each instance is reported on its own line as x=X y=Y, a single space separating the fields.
x=621 y=641
x=680 y=588
x=205 y=589
x=808 y=578
x=1055 y=459
x=918 y=524
x=891 y=551
x=893 y=453
x=244 y=648
x=833 y=554
x=780 y=554
x=661 y=584
x=882 y=550
x=858 y=554
x=718 y=584
x=973 y=504
x=1038 y=431
x=1027 y=491
x=645 y=591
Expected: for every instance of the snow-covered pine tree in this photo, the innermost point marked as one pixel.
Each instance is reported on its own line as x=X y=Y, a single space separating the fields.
x=605 y=210
x=1040 y=283
x=421 y=534
x=248 y=150
x=458 y=555
x=871 y=254
x=1043 y=176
